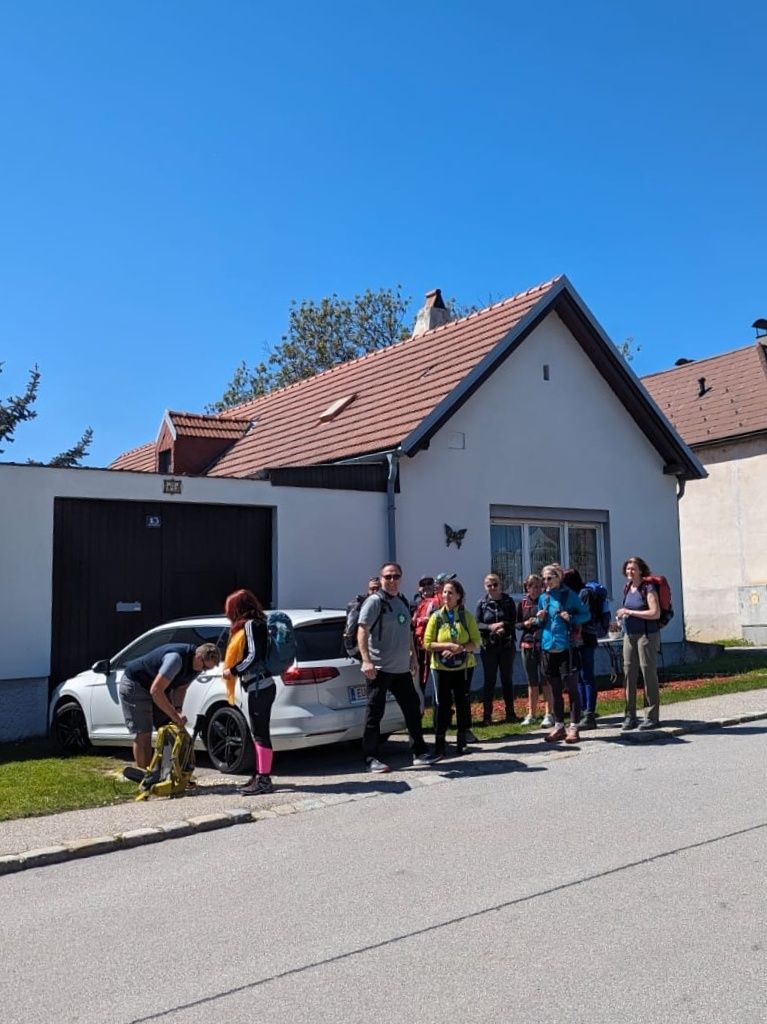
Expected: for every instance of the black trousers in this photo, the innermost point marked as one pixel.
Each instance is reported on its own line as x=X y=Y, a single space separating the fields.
x=497 y=660
x=260 y=713
x=401 y=685
x=452 y=689
x=560 y=670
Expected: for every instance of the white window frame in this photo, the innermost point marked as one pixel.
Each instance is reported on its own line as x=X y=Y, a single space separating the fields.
x=563 y=520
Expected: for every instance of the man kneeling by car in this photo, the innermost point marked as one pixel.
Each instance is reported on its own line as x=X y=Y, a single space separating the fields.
x=160 y=679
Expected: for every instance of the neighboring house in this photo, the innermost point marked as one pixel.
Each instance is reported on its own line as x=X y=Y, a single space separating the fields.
x=520 y=428
x=719 y=406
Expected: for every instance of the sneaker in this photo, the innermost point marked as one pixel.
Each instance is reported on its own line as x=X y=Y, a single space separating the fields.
x=588 y=721
x=629 y=723
x=376 y=766
x=548 y=722
x=572 y=734
x=258 y=786
x=648 y=724
x=557 y=733
x=424 y=759
x=528 y=720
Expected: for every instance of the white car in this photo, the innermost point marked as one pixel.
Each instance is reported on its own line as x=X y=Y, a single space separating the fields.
x=320 y=699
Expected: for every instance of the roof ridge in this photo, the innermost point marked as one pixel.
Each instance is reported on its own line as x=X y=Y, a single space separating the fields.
x=696 y=362
x=205 y=415
x=395 y=345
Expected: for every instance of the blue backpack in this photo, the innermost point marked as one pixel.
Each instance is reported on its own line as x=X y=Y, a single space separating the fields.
x=281 y=647
x=599 y=606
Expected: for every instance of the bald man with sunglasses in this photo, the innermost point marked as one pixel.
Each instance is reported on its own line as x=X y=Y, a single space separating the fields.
x=389 y=664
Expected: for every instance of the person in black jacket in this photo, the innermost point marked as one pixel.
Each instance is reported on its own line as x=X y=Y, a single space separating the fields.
x=160 y=678
x=496 y=618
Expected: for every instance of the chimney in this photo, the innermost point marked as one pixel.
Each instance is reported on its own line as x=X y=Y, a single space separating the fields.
x=432 y=314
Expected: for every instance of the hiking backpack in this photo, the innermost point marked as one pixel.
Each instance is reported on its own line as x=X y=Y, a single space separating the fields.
x=172 y=765
x=281 y=646
x=599 y=607
x=352 y=622
x=424 y=611
x=663 y=588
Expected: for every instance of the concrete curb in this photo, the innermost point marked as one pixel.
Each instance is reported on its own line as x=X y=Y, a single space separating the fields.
x=76 y=849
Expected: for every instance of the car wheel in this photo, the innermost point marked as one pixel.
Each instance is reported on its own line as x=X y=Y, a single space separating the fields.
x=68 y=729
x=227 y=737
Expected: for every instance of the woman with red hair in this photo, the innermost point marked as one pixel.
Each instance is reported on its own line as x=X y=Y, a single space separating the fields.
x=244 y=660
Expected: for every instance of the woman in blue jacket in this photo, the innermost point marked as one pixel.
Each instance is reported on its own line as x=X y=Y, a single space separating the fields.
x=559 y=610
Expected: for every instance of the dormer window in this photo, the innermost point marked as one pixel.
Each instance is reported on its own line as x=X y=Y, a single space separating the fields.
x=336 y=407
x=163 y=461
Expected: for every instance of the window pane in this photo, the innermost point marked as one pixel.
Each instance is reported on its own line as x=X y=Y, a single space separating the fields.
x=321 y=641
x=506 y=555
x=545 y=546
x=583 y=551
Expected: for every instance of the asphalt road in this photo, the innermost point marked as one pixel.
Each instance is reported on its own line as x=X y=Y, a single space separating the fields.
x=625 y=883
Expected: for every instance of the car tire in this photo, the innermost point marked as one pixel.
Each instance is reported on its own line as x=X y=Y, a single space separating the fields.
x=228 y=741
x=69 y=730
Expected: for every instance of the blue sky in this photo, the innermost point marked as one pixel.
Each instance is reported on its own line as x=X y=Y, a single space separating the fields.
x=175 y=172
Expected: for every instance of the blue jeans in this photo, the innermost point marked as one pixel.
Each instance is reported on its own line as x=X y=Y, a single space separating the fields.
x=587 y=689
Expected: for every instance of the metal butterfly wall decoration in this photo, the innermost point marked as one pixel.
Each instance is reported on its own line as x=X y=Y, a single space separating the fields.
x=454 y=536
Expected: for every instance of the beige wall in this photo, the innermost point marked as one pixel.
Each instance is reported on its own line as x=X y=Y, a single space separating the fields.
x=723 y=526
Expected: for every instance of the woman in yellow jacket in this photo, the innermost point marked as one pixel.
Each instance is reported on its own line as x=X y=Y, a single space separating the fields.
x=451 y=638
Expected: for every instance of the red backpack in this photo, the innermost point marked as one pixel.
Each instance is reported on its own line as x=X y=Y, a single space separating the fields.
x=426 y=607
x=661 y=584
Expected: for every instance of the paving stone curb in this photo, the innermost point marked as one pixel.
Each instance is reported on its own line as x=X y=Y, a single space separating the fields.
x=77 y=849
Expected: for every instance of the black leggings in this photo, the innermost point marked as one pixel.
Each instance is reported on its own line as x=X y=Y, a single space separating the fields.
x=560 y=670
x=260 y=712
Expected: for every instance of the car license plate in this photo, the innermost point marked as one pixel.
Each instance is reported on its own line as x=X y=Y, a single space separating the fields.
x=358 y=694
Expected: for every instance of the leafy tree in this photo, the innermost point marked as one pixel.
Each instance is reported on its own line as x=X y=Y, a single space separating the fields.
x=20 y=408
x=321 y=335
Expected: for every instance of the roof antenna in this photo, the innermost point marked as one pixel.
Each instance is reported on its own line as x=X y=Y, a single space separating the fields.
x=702 y=389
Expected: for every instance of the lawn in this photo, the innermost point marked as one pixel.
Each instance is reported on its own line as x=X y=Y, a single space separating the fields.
x=35 y=780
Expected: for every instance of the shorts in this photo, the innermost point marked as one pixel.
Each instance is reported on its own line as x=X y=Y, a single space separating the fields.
x=137 y=705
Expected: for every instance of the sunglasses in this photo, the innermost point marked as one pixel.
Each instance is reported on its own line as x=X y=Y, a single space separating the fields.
x=392 y=576
x=492 y=586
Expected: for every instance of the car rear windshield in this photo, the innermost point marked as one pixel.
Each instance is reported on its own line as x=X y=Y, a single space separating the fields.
x=319 y=641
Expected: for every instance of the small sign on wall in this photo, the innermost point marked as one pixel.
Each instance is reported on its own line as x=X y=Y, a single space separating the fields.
x=128 y=606
x=153 y=522
x=171 y=486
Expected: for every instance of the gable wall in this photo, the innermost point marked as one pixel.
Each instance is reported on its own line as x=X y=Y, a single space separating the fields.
x=566 y=442
x=724 y=539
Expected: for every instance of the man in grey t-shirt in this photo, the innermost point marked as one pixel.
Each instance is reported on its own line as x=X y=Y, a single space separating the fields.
x=389 y=662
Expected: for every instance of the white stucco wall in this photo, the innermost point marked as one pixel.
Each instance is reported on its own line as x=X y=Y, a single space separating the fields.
x=566 y=442
x=320 y=535
x=723 y=527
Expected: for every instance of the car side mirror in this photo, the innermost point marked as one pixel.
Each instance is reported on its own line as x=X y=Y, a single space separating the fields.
x=101 y=667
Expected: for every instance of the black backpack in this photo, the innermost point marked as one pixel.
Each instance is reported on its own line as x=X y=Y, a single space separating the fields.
x=350 y=629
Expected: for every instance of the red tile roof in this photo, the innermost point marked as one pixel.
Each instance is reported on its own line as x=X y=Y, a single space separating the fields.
x=140 y=460
x=190 y=424
x=734 y=402
x=396 y=388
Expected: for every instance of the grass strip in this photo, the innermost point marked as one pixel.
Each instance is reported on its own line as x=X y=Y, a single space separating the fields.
x=48 y=785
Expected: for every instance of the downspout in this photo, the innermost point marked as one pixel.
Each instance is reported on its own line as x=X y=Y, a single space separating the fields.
x=681 y=484
x=392 y=459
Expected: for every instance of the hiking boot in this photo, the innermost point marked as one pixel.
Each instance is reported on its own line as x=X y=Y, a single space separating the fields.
x=439 y=747
x=258 y=786
x=629 y=722
x=424 y=759
x=548 y=721
x=588 y=721
x=557 y=733
x=376 y=766
x=572 y=734
x=648 y=724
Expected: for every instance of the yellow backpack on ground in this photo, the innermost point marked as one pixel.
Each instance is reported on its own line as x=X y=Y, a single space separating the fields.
x=171 y=768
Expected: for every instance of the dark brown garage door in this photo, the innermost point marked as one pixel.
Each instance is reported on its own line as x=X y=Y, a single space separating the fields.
x=121 y=567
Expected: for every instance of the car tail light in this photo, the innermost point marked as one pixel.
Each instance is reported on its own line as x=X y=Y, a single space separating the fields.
x=295 y=676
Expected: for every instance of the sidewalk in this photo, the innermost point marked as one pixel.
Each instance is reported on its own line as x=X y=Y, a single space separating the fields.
x=327 y=777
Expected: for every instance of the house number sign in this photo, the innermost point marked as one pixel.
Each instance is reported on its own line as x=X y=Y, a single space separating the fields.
x=171 y=487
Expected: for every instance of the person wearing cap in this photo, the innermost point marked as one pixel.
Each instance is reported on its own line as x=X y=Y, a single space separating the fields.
x=424 y=604
x=159 y=679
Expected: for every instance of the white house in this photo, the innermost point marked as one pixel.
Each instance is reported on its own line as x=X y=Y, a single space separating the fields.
x=719 y=405
x=520 y=428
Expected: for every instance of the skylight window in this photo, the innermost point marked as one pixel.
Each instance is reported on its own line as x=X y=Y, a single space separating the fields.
x=336 y=407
